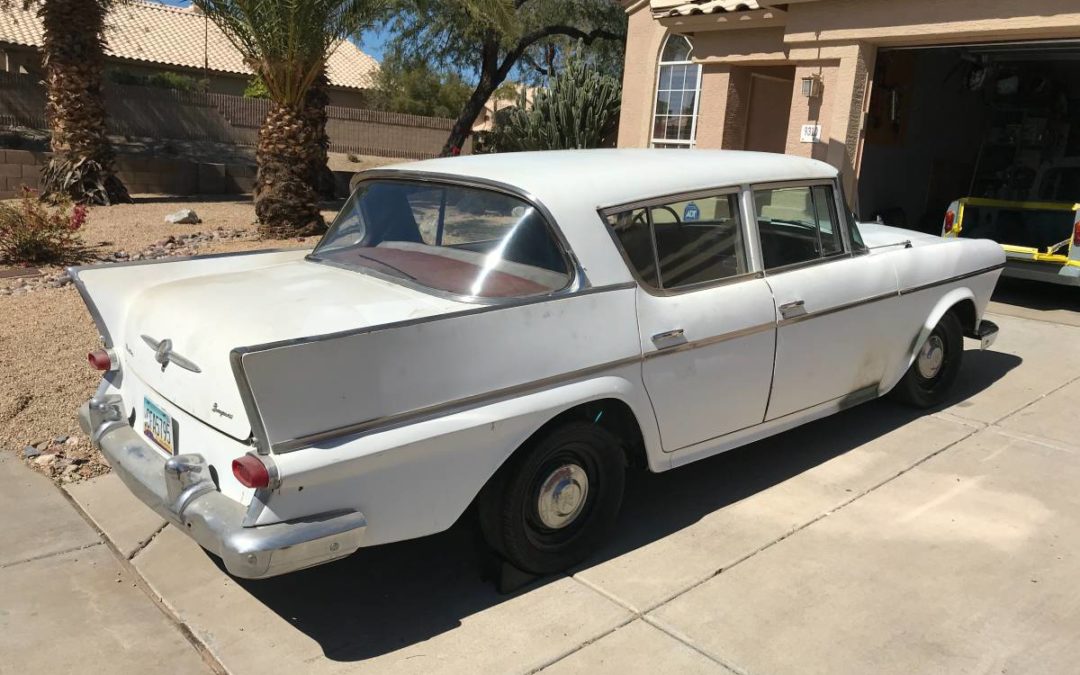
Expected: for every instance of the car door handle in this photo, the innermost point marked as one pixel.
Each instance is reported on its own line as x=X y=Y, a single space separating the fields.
x=792 y=309
x=669 y=339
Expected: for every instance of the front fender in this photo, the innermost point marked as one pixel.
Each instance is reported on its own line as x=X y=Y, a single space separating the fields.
x=943 y=304
x=418 y=479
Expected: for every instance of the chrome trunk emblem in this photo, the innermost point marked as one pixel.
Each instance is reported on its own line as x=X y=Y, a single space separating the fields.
x=164 y=354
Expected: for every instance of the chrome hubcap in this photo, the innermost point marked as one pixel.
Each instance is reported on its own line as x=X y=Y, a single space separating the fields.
x=562 y=496
x=931 y=357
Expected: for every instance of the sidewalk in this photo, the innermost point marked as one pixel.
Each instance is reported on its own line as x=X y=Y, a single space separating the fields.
x=67 y=603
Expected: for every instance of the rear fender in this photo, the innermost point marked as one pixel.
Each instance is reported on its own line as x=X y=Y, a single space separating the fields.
x=418 y=479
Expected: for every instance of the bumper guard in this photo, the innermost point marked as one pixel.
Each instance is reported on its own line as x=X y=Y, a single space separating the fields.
x=181 y=490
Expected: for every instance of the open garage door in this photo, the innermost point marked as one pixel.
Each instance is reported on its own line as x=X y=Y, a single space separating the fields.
x=987 y=121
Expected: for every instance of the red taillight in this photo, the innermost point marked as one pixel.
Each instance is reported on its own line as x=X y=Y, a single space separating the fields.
x=950 y=217
x=102 y=359
x=250 y=471
x=1076 y=232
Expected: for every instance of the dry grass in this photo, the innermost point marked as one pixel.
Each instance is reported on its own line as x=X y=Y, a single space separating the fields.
x=45 y=335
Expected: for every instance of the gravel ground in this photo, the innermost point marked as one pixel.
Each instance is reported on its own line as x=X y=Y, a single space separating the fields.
x=45 y=334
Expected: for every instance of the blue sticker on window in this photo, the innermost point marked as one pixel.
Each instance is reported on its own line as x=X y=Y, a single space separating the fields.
x=691 y=212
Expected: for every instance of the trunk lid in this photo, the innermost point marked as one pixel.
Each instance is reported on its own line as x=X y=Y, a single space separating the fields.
x=205 y=317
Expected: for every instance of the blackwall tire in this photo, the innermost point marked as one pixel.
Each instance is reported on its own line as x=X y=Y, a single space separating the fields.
x=927 y=382
x=556 y=499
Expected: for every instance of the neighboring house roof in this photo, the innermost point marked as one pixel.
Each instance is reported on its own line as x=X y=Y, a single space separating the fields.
x=661 y=8
x=154 y=33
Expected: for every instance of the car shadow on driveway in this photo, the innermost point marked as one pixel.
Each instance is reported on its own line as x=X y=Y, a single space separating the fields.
x=384 y=598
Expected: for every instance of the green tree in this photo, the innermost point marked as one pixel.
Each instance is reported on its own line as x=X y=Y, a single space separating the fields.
x=286 y=43
x=416 y=89
x=73 y=50
x=494 y=37
x=579 y=109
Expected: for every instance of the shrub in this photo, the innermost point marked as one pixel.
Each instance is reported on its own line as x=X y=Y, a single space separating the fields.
x=579 y=109
x=161 y=80
x=32 y=232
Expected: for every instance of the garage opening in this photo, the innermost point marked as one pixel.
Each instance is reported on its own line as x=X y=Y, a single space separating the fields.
x=997 y=125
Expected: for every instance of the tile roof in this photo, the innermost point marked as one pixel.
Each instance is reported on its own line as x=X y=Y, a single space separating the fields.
x=154 y=33
x=662 y=8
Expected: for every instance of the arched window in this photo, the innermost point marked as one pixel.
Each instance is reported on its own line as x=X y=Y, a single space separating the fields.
x=678 y=88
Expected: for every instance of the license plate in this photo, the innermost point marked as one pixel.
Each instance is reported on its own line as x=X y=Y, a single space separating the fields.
x=159 y=427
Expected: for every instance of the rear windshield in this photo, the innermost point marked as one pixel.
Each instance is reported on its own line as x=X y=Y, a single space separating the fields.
x=462 y=240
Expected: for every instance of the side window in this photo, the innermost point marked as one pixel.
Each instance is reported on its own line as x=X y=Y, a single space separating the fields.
x=797 y=224
x=692 y=241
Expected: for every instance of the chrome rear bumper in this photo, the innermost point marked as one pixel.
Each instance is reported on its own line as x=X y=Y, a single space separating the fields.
x=181 y=490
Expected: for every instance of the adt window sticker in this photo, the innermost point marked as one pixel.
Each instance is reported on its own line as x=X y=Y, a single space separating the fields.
x=691 y=212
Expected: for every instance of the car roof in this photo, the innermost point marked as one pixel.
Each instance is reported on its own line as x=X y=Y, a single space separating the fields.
x=608 y=177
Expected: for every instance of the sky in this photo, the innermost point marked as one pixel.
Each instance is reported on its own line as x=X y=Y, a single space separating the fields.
x=372 y=42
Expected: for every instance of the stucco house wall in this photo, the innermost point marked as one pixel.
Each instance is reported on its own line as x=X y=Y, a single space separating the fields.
x=835 y=40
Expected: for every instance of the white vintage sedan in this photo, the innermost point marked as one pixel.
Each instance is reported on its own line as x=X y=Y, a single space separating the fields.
x=512 y=330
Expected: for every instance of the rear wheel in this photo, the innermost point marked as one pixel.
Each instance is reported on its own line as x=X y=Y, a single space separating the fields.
x=933 y=372
x=555 y=499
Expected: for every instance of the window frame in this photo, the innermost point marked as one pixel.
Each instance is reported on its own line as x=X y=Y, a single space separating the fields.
x=649 y=203
x=576 y=278
x=660 y=63
x=847 y=250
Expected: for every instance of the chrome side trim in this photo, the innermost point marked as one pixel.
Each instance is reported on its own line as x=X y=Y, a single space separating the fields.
x=838 y=308
x=441 y=409
x=472 y=310
x=959 y=277
x=260 y=438
x=716 y=339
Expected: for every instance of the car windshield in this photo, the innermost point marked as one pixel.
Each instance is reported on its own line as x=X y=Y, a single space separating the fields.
x=462 y=240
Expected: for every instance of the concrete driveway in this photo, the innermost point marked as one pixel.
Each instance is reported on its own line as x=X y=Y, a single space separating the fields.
x=878 y=540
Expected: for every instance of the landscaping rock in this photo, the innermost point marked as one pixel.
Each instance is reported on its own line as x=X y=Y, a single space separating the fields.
x=183 y=216
x=60 y=439
x=45 y=460
x=30 y=452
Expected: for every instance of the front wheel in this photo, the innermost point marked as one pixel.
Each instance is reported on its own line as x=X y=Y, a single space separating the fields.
x=555 y=499
x=927 y=382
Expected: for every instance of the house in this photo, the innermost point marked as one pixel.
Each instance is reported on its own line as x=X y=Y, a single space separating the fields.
x=485 y=121
x=918 y=102
x=144 y=38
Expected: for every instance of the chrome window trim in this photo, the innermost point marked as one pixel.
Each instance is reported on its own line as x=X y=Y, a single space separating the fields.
x=661 y=292
x=664 y=199
x=577 y=278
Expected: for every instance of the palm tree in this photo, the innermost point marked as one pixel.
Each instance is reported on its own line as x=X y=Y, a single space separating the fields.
x=286 y=44
x=74 y=59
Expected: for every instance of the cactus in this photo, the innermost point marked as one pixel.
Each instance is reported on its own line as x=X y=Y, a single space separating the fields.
x=578 y=109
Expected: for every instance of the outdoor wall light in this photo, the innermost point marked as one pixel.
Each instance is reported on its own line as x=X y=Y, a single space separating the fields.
x=811 y=86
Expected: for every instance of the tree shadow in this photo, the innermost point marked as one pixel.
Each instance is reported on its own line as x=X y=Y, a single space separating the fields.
x=388 y=597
